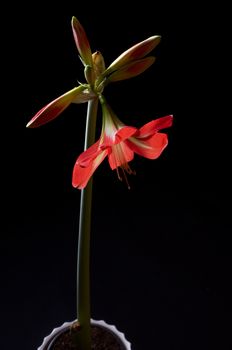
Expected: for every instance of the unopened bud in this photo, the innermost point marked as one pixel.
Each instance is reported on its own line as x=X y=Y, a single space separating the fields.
x=98 y=63
x=89 y=74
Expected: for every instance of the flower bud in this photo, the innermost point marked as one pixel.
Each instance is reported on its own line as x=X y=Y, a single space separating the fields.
x=136 y=52
x=89 y=74
x=81 y=41
x=132 y=69
x=98 y=63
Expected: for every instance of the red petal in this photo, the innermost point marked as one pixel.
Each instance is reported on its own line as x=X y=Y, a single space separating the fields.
x=124 y=133
x=82 y=175
x=54 y=108
x=89 y=155
x=154 y=126
x=120 y=155
x=151 y=148
x=116 y=137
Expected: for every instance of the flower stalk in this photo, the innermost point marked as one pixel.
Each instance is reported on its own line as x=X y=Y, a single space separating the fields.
x=83 y=256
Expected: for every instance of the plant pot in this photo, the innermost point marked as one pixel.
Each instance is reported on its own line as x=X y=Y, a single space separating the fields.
x=109 y=330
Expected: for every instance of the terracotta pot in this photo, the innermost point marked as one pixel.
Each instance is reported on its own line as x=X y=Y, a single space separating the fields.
x=50 y=339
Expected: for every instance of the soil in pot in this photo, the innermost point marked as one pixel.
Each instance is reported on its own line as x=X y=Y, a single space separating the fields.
x=101 y=339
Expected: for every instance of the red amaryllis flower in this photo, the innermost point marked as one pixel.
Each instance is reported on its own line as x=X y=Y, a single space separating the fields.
x=119 y=142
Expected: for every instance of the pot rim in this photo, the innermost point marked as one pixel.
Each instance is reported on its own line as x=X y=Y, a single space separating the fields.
x=111 y=328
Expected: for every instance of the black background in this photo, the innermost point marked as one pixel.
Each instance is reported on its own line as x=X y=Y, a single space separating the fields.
x=160 y=252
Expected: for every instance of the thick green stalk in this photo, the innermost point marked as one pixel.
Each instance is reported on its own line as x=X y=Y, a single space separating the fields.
x=83 y=258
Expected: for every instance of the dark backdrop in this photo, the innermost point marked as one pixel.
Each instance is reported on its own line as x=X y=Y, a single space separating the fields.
x=160 y=252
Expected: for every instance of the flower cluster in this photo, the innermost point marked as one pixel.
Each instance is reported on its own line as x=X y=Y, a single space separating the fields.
x=117 y=141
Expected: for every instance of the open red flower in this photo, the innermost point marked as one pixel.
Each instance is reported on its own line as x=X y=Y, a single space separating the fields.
x=119 y=142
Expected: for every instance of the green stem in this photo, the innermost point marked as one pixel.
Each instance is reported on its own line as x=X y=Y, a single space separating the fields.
x=83 y=257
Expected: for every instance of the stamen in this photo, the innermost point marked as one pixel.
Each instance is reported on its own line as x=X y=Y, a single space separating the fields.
x=119 y=177
x=125 y=169
x=125 y=177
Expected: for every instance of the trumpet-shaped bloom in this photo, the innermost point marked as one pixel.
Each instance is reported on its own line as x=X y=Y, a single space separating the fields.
x=119 y=142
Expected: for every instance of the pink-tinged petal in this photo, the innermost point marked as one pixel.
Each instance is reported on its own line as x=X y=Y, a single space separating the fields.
x=134 y=53
x=154 y=126
x=54 y=108
x=82 y=42
x=87 y=156
x=151 y=148
x=81 y=175
x=121 y=154
x=132 y=69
